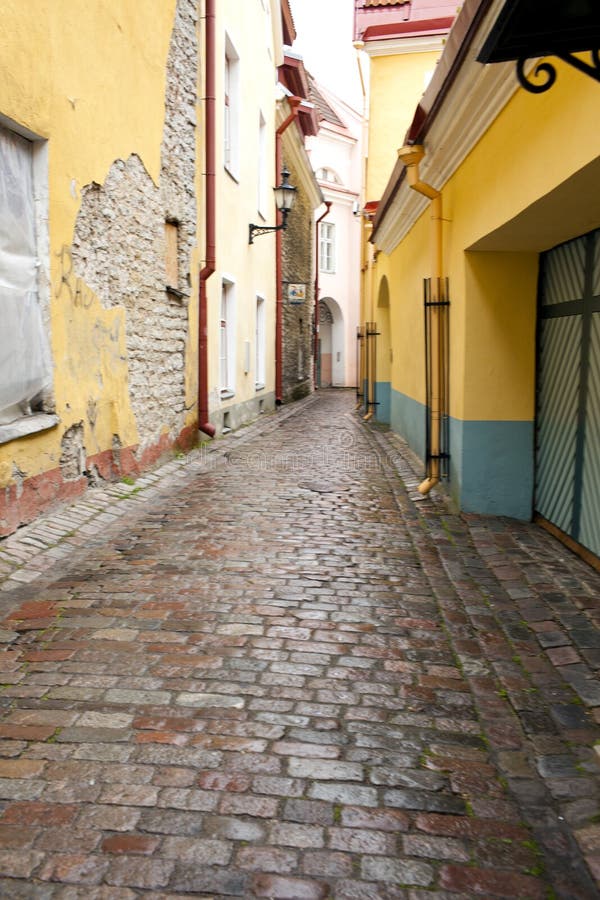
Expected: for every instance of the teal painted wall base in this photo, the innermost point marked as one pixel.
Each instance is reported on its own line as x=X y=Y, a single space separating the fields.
x=491 y=463
x=383 y=398
x=407 y=418
x=494 y=462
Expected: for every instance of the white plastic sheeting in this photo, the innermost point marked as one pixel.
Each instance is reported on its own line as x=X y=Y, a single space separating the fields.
x=25 y=366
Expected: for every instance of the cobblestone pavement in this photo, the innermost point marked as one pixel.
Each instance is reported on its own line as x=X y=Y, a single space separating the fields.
x=269 y=671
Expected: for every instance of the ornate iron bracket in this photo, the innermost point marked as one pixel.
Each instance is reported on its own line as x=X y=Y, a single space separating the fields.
x=262 y=229
x=549 y=71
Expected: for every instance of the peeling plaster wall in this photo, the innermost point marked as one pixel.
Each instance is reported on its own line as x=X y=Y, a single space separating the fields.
x=108 y=96
x=119 y=247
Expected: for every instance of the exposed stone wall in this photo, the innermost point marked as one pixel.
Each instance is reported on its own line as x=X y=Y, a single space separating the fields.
x=298 y=319
x=119 y=246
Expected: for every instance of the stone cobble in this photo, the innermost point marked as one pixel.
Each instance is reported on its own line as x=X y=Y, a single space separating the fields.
x=272 y=671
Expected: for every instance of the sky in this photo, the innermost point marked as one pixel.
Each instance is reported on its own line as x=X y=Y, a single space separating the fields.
x=324 y=40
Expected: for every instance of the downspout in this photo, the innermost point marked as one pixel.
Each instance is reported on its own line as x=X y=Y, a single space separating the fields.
x=371 y=362
x=210 y=205
x=411 y=156
x=316 y=343
x=294 y=103
x=364 y=240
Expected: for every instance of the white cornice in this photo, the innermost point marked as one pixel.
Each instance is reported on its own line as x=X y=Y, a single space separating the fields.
x=396 y=46
x=342 y=196
x=333 y=133
x=476 y=99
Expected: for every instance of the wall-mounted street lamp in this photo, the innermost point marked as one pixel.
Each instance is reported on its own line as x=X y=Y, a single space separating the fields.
x=528 y=29
x=285 y=195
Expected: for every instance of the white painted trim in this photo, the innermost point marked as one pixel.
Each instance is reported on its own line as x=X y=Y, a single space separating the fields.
x=478 y=95
x=433 y=43
x=333 y=133
x=478 y=100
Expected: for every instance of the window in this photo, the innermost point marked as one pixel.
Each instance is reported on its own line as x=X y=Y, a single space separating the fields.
x=327 y=247
x=231 y=107
x=25 y=364
x=226 y=341
x=329 y=175
x=260 y=343
x=262 y=167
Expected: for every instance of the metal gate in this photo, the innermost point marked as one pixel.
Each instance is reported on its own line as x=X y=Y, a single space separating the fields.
x=567 y=493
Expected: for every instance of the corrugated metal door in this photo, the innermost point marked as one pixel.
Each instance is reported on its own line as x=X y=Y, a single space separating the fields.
x=568 y=391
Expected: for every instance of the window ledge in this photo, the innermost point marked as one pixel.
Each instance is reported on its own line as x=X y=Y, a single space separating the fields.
x=259 y=386
x=27 y=425
x=227 y=394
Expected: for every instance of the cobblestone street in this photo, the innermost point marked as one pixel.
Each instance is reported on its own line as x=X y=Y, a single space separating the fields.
x=268 y=670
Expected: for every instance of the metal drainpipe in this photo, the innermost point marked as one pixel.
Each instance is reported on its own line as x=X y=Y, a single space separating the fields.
x=411 y=156
x=361 y=368
x=294 y=103
x=210 y=205
x=371 y=361
x=316 y=344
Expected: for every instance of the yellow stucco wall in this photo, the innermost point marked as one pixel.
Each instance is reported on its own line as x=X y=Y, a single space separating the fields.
x=408 y=266
x=396 y=85
x=505 y=204
x=88 y=77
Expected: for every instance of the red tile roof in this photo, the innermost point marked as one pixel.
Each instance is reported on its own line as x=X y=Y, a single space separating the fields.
x=387 y=19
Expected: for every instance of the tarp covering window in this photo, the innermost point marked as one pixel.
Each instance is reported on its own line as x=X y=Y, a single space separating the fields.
x=25 y=368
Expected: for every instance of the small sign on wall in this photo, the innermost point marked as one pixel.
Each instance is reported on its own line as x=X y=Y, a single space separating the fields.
x=296 y=293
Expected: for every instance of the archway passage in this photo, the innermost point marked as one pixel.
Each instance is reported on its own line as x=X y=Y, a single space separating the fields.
x=331 y=362
x=325 y=345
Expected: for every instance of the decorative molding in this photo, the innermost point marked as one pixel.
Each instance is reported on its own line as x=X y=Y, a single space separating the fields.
x=477 y=98
x=433 y=43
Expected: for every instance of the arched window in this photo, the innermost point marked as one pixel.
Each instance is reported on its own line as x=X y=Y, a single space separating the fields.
x=326 y=174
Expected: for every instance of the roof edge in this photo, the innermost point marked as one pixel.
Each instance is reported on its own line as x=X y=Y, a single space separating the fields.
x=449 y=64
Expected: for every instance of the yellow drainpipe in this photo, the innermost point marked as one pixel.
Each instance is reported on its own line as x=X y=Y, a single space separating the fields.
x=371 y=307
x=411 y=156
x=365 y=224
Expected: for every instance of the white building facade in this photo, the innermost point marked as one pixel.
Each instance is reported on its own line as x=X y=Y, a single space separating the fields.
x=335 y=155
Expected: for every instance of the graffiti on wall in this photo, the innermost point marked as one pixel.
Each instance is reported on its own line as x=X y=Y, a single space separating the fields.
x=70 y=285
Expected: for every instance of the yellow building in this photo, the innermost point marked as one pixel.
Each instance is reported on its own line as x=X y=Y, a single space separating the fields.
x=121 y=124
x=489 y=223
x=399 y=44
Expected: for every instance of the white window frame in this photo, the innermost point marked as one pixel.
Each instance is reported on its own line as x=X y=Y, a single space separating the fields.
x=260 y=343
x=26 y=420
x=328 y=174
x=327 y=247
x=231 y=109
x=227 y=339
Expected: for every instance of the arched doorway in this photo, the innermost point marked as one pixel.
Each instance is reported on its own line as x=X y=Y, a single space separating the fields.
x=331 y=362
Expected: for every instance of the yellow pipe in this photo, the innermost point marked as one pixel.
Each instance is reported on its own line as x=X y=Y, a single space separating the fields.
x=411 y=156
x=371 y=356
